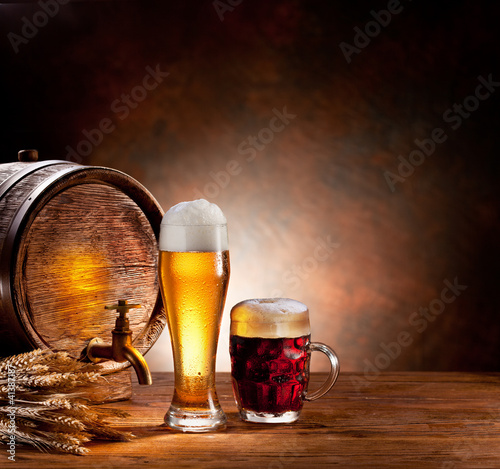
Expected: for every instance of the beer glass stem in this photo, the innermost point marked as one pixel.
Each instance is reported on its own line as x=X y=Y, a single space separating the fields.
x=334 y=370
x=195 y=406
x=184 y=419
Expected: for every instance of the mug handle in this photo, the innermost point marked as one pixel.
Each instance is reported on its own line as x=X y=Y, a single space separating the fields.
x=334 y=371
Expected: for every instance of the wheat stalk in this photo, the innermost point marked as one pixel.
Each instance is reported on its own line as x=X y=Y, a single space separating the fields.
x=45 y=441
x=42 y=414
x=53 y=379
x=22 y=360
x=43 y=386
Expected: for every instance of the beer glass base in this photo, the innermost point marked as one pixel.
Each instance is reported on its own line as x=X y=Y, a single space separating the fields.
x=267 y=417
x=195 y=422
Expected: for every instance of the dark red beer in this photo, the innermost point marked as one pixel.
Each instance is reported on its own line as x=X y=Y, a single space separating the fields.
x=269 y=375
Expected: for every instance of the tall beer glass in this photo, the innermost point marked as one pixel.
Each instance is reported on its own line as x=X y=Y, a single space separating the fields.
x=194 y=274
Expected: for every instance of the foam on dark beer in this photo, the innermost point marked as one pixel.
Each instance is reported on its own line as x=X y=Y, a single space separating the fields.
x=270 y=318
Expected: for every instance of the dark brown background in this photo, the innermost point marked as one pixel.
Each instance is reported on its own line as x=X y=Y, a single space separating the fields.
x=322 y=177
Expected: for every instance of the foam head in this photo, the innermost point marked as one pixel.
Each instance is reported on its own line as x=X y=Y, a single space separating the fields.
x=270 y=318
x=194 y=226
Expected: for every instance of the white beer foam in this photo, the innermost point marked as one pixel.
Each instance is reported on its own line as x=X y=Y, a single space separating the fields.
x=197 y=225
x=195 y=212
x=270 y=318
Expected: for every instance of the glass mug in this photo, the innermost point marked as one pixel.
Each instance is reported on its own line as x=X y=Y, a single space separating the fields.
x=270 y=348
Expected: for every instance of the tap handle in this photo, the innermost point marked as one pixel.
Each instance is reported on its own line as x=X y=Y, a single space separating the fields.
x=122 y=323
x=122 y=307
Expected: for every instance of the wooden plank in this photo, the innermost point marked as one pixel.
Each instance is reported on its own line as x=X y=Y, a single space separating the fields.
x=442 y=420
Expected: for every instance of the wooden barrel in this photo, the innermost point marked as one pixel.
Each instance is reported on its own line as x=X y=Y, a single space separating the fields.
x=74 y=239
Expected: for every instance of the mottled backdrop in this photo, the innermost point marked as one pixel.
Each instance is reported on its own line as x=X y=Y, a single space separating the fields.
x=352 y=145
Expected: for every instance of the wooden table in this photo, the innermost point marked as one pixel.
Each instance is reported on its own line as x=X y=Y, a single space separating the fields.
x=444 y=420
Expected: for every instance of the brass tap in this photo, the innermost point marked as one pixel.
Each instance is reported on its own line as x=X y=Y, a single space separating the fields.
x=121 y=348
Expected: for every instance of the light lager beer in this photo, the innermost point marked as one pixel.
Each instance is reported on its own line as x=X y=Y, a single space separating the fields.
x=194 y=275
x=194 y=286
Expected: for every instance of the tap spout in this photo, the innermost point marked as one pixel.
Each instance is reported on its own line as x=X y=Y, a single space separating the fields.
x=139 y=363
x=121 y=348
